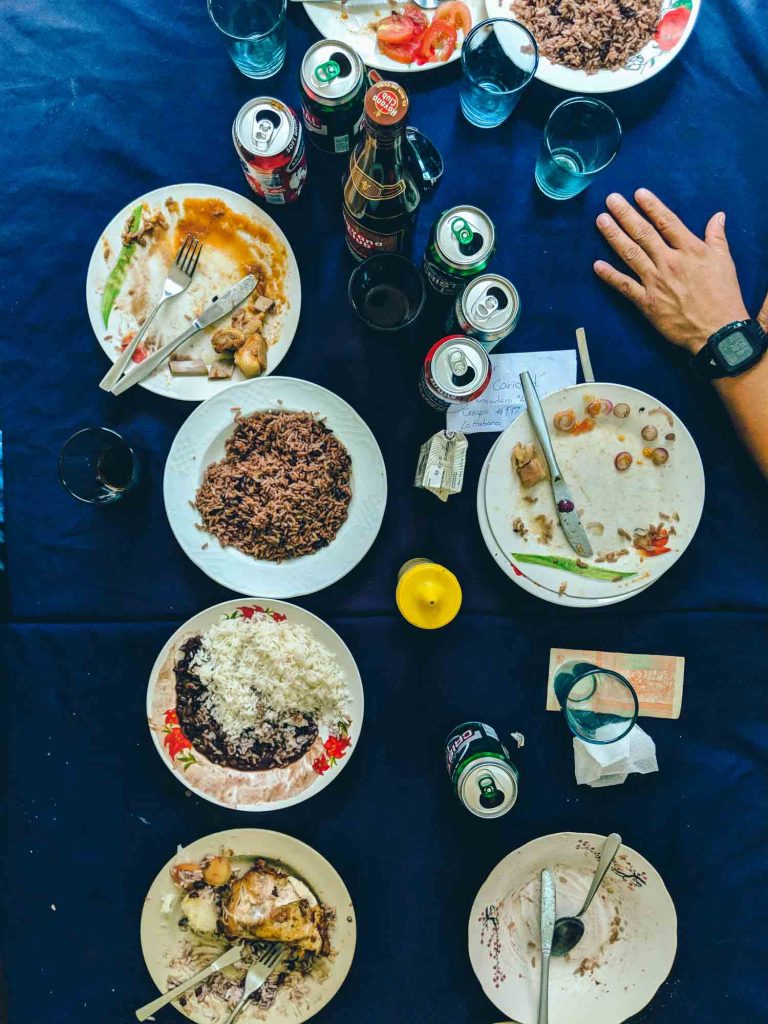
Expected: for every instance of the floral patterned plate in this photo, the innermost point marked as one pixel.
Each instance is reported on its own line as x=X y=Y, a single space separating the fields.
x=172 y=954
x=628 y=947
x=262 y=790
x=676 y=21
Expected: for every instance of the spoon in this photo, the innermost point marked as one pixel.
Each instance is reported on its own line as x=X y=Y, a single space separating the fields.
x=569 y=930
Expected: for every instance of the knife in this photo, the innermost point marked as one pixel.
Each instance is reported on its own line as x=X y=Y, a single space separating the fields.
x=548 y=915
x=566 y=509
x=230 y=957
x=217 y=309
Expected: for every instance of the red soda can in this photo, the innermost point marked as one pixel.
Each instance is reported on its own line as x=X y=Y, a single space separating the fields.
x=269 y=141
x=456 y=370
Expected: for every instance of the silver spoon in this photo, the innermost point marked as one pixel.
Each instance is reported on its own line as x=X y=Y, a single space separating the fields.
x=569 y=930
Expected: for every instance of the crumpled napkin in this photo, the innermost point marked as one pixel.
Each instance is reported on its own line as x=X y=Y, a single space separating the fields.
x=609 y=764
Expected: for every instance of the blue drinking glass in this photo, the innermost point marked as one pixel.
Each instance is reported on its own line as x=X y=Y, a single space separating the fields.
x=498 y=59
x=582 y=136
x=255 y=33
x=600 y=705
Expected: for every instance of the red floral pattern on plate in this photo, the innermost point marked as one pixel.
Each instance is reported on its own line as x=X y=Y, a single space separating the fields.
x=179 y=747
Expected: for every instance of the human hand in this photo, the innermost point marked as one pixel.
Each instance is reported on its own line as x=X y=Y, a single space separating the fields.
x=688 y=288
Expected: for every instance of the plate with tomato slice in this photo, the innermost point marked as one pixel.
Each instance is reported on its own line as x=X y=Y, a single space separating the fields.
x=402 y=37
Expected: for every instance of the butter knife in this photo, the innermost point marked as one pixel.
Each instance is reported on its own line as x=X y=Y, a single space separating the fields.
x=230 y=957
x=217 y=309
x=566 y=509
x=548 y=915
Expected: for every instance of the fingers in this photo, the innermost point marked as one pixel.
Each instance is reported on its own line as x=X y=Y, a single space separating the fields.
x=715 y=233
x=667 y=223
x=624 y=284
x=762 y=316
x=630 y=251
x=636 y=226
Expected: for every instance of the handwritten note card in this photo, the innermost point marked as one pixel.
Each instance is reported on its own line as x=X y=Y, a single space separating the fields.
x=503 y=399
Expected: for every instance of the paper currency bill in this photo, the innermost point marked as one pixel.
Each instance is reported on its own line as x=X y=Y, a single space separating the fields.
x=657 y=678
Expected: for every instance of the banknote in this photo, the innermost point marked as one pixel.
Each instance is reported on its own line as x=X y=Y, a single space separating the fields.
x=657 y=678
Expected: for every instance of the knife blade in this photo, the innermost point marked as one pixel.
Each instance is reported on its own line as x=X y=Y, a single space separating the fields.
x=218 y=308
x=548 y=913
x=574 y=532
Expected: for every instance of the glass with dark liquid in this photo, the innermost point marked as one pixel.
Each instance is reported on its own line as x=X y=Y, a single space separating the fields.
x=98 y=466
x=387 y=292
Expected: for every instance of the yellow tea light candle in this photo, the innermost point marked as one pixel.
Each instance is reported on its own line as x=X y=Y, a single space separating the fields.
x=428 y=595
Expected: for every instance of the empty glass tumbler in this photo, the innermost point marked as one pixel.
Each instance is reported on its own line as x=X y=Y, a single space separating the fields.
x=600 y=705
x=98 y=466
x=255 y=33
x=582 y=136
x=498 y=60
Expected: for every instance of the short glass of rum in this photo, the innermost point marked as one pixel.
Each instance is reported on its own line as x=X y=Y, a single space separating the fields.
x=498 y=60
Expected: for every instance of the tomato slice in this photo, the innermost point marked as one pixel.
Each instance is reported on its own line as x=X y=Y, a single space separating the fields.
x=395 y=30
x=456 y=13
x=417 y=16
x=403 y=53
x=437 y=43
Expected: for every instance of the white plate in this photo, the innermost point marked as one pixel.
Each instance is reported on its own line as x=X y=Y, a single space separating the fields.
x=628 y=946
x=215 y=273
x=354 y=30
x=249 y=790
x=602 y=494
x=644 y=65
x=516 y=575
x=200 y=441
x=161 y=938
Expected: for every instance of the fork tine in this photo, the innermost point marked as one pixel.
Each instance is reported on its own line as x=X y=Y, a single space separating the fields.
x=196 y=258
x=274 y=956
x=188 y=267
x=181 y=254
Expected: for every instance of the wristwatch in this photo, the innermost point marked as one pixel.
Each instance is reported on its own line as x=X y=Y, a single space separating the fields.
x=730 y=351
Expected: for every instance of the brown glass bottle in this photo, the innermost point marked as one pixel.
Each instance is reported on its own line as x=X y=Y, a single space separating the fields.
x=381 y=199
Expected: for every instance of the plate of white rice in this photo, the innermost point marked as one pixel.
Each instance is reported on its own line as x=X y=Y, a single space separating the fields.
x=255 y=704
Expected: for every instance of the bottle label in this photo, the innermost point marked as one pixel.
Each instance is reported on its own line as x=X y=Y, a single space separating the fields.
x=371 y=189
x=364 y=242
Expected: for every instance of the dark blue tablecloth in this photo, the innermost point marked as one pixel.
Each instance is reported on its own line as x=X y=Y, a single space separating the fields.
x=103 y=103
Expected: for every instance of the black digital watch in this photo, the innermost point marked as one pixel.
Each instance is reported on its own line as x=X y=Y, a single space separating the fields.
x=732 y=350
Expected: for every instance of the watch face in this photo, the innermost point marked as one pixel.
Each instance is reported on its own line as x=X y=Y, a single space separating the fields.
x=735 y=349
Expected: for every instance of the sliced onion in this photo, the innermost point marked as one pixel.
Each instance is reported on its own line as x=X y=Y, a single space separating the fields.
x=622 y=461
x=649 y=433
x=594 y=408
x=621 y=410
x=606 y=406
x=659 y=456
x=565 y=420
x=663 y=412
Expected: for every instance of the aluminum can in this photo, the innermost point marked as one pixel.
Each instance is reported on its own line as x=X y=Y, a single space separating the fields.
x=487 y=309
x=461 y=244
x=481 y=769
x=456 y=369
x=269 y=141
x=333 y=85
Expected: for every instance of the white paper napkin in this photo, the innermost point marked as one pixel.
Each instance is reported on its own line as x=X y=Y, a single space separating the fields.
x=609 y=764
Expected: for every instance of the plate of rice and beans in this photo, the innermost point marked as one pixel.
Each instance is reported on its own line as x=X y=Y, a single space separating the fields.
x=602 y=45
x=276 y=487
x=255 y=704
x=245 y=887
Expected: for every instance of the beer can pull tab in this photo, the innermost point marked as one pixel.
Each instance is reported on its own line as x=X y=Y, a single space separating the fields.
x=461 y=231
x=485 y=307
x=458 y=362
x=325 y=73
x=263 y=130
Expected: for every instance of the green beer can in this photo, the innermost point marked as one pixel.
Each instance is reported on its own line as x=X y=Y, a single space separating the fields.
x=333 y=84
x=461 y=245
x=481 y=770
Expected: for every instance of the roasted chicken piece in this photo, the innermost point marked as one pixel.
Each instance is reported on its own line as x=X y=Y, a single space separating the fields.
x=251 y=357
x=526 y=464
x=227 y=339
x=248 y=318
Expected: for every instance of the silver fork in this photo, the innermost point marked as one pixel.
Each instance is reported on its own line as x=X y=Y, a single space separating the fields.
x=178 y=280
x=257 y=975
x=427 y=5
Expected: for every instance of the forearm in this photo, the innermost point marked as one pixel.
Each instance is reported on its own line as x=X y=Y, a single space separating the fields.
x=746 y=399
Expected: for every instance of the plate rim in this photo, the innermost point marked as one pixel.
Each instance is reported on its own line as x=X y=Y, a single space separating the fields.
x=232 y=835
x=679 y=423
x=323 y=781
x=164 y=191
x=380 y=473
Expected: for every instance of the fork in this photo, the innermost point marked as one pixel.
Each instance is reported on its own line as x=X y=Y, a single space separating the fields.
x=257 y=974
x=178 y=280
x=426 y=5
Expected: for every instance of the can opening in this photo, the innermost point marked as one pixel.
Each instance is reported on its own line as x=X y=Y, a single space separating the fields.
x=501 y=297
x=344 y=63
x=264 y=127
x=473 y=246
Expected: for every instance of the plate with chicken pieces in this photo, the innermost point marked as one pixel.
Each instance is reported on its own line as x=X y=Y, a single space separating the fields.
x=127 y=272
x=245 y=888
